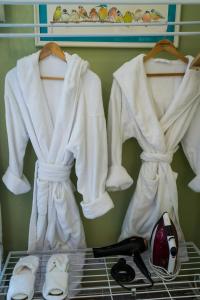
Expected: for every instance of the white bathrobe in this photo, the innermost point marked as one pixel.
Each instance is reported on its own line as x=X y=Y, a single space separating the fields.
x=160 y=112
x=1 y=241
x=63 y=120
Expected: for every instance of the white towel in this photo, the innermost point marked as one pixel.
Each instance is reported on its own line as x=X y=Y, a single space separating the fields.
x=56 y=280
x=23 y=278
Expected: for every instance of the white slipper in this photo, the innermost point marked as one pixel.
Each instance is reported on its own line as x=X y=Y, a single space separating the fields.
x=56 y=279
x=22 y=282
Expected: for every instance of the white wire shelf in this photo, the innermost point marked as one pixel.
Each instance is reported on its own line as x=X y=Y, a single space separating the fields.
x=89 y=278
x=87 y=24
x=68 y=35
x=126 y=2
x=92 y=24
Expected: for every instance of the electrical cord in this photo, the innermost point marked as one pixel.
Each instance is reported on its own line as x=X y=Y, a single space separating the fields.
x=123 y=273
x=163 y=273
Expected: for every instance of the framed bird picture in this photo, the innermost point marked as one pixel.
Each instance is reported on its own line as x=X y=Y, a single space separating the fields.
x=106 y=25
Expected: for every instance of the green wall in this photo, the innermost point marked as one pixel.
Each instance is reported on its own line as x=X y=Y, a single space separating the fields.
x=16 y=209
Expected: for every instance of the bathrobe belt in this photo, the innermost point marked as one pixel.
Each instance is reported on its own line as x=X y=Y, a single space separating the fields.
x=166 y=180
x=53 y=172
x=157 y=157
x=51 y=189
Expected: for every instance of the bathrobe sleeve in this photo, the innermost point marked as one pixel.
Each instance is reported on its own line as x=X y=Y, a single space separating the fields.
x=91 y=155
x=120 y=129
x=191 y=147
x=14 y=179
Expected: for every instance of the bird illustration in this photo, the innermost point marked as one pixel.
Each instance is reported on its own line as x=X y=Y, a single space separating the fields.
x=146 y=17
x=112 y=14
x=128 y=17
x=82 y=12
x=138 y=15
x=93 y=15
x=65 y=15
x=156 y=15
x=119 y=18
x=74 y=16
x=103 y=12
x=57 y=14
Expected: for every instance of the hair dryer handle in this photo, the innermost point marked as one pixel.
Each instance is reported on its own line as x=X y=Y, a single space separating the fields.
x=141 y=266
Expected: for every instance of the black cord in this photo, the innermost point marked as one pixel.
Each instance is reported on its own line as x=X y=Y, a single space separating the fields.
x=123 y=273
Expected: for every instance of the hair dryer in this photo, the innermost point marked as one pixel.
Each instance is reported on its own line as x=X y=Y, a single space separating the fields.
x=132 y=246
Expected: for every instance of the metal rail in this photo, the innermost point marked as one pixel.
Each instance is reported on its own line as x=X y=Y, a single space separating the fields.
x=90 y=278
x=85 y=24
x=31 y=2
x=33 y=35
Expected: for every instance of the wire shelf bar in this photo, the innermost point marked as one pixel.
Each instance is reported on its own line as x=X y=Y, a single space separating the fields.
x=53 y=35
x=89 y=278
x=126 y=2
x=85 y=24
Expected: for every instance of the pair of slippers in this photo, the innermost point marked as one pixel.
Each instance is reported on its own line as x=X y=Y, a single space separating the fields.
x=22 y=282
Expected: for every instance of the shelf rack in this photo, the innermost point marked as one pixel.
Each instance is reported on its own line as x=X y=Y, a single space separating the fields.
x=36 y=34
x=23 y=2
x=89 y=278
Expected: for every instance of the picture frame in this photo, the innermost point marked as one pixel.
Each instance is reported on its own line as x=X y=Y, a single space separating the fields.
x=73 y=14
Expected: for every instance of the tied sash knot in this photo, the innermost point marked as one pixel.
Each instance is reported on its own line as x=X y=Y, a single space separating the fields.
x=52 y=172
x=165 y=189
x=52 y=185
x=157 y=157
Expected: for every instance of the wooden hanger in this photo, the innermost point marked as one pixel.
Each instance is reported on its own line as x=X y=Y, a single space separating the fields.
x=167 y=46
x=55 y=50
x=195 y=64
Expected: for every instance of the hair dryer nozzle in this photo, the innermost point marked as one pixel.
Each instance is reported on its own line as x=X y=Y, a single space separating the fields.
x=125 y=247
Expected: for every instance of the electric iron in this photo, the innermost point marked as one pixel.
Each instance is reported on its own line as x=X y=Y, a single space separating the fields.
x=164 y=248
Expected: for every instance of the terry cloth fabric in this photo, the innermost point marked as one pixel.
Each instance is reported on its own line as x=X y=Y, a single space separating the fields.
x=56 y=280
x=23 y=278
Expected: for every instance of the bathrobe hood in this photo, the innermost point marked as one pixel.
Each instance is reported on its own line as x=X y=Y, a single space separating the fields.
x=131 y=77
x=28 y=73
x=29 y=64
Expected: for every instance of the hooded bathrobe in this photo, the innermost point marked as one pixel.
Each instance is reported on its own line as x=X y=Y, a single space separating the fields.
x=160 y=112
x=64 y=120
x=1 y=241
